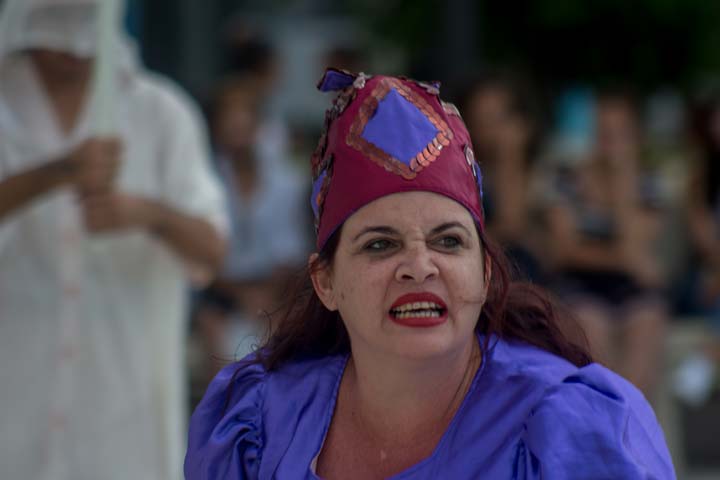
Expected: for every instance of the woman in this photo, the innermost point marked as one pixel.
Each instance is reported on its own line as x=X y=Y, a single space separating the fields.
x=500 y=117
x=414 y=356
x=603 y=234
x=695 y=379
x=269 y=227
x=704 y=210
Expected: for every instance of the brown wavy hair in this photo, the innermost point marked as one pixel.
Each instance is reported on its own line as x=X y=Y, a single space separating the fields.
x=513 y=310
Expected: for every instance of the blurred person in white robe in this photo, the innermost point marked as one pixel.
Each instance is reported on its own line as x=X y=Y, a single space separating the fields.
x=97 y=237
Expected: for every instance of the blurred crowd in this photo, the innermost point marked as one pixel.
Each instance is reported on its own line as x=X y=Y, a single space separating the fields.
x=614 y=206
x=608 y=197
x=266 y=198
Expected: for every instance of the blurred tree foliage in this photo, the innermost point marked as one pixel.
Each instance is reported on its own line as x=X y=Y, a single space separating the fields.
x=646 y=42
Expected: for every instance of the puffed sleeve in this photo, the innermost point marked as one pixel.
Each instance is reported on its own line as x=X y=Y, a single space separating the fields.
x=225 y=440
x=593 y=425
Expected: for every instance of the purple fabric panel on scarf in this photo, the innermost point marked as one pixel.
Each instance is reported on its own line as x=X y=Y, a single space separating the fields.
x=317 y=185
x=478 y=178
x=399 y=128
x=334 y=80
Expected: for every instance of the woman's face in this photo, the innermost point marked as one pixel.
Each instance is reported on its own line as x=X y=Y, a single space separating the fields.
x=617 y=131
x=407 y=277
x=236 y=122
x=495 y=128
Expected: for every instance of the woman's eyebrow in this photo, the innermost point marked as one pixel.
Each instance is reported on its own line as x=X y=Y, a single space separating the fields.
x=447 y=226
x=376 y=229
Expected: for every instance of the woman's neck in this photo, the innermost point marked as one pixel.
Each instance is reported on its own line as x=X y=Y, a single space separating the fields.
x=394 y=402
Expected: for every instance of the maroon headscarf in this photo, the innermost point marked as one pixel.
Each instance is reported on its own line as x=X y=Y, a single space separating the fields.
x=386 y=135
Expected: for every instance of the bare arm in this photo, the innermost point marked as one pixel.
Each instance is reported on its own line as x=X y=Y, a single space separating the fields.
x=705 y=235
x=630 y=252
x=191 y=237
x=511 y=216
x=17 y=191
x=703 y=229
x=92 y=166
x=568 y=250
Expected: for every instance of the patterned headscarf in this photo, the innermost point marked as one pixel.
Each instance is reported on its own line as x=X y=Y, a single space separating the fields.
x=386 y=135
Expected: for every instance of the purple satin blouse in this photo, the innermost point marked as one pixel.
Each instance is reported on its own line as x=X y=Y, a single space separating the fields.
x=527 y=415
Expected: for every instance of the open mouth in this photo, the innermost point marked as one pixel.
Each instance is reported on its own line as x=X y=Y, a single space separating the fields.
x=418 y=310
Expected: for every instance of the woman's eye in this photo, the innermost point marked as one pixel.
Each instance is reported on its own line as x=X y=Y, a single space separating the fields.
x=449 y=242
x=379 y=245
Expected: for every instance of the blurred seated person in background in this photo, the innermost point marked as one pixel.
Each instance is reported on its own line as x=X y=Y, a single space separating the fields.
x=602 y=230
x=696 y=377
x=269 y=227
x=410 y=351
x=97 y=238
x=501 y=120
x=253 y=57
x=704 y=214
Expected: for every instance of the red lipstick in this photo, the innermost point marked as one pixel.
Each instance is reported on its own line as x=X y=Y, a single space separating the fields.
x=418 y=310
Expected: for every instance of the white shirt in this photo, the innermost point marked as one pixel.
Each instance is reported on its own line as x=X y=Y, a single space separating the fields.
x=92 y=327
x=268 y=229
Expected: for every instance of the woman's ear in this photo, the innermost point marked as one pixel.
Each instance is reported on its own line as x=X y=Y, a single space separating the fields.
x=322 y=283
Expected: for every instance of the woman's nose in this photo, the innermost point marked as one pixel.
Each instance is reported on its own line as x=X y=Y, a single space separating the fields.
x=416 y=265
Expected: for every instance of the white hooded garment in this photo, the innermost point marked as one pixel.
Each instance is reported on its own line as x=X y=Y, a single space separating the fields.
x=92 y=327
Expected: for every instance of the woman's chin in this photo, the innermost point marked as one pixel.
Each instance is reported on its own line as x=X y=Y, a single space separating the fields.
x=425 y=344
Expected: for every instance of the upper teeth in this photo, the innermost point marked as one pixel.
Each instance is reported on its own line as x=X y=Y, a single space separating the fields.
x=417 y=306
